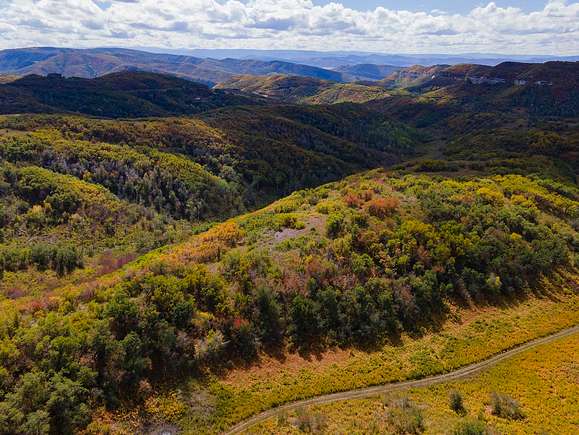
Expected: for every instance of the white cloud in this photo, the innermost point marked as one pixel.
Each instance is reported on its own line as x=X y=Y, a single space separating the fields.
x=286 y=24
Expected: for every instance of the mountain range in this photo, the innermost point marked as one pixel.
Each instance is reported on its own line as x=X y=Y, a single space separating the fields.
x=551 y=87
x=335 y=59
x=92 y=63
x=216 y=66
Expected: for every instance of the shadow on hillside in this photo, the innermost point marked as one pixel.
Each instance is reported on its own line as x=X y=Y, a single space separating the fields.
x=317 y=348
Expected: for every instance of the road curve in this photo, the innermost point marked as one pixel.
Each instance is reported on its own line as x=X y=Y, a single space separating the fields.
x=379 y=389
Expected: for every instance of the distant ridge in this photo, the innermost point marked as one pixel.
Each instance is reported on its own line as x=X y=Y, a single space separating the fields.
x=336 y=59
x=562 y=75
x=116 y=95
x=91 y=63
x=303 y=90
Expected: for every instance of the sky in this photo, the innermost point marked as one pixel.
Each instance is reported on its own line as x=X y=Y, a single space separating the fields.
x=387 y=26
x=452 y=6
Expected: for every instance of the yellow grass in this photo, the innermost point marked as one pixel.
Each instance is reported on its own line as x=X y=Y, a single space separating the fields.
x=471 y=336
x=544 y=380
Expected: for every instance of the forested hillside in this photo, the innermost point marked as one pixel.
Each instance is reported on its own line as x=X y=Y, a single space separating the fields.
x=354 y=263
x=255 y=155
x=135 y=256
x=294 y=89
x=118 y=95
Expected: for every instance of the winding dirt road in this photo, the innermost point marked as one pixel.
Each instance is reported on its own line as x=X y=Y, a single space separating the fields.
x=379 y=389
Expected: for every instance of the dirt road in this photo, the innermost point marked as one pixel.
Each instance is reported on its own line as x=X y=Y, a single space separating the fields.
x=379 y=389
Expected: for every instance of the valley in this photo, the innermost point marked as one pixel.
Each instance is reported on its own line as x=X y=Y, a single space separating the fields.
x=184 y=251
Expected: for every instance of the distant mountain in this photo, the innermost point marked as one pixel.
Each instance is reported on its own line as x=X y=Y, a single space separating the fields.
x=117 y=95
x=294 y=89
x=563 y=75
x=335 y=59
x=367 y=71
x=93 y=63
x=548 y=89
x=411 y=76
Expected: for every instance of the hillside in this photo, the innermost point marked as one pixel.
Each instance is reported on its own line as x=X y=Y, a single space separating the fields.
x=361 y=72
x=127 y=94
x=504 y=127
x=411 y=76
x=56 y=228
x=534 y=386
x=143 y=286
x=356 y=263
x=561 y=75
x=303 y=90
x=258 y=154
x=98 y=62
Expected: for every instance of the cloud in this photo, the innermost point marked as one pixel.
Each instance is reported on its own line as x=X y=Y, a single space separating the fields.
x=286 y=24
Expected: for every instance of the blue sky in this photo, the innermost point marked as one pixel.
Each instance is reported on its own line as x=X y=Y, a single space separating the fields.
x=411 y=26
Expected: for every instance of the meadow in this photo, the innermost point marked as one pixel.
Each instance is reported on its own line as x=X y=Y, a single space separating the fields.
x=542 y=381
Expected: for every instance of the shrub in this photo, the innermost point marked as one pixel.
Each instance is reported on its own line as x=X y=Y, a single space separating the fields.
x=361 y=264
x=456 y=403
x=210 y=348
x=471 y=427
x=288 y=220
x=405 y=417
x=352 y=200
x=335 y=225
x=382 y=207
x=310 y=423
x=506 y=407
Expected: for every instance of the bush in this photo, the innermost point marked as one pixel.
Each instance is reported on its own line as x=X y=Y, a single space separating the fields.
x=310 y=423
x=456 y=403
x=211 y=347
x=382 y=207
x=506 y=407
x=471 y=427
x=405 y=417
x=288 y=220
x=335 y=225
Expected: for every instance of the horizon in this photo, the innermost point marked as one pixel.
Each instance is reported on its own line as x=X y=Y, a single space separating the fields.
x=161 y=50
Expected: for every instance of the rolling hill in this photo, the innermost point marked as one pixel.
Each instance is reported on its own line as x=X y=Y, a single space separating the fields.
x=117 y=95
x=367 y=71
x=143 y=286
x=262 y=153
x=303 y=90
x=91 y=63
x=357 y=263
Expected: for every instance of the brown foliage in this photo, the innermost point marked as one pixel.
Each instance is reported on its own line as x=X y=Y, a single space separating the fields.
x=382 y=207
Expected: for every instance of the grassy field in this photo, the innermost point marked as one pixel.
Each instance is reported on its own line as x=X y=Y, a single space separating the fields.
x=543 y=380
x=471 y=336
